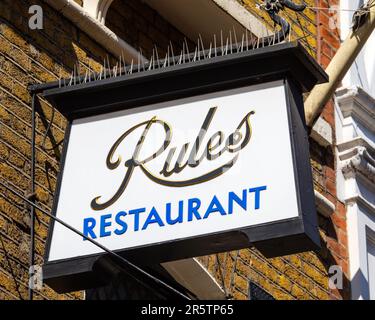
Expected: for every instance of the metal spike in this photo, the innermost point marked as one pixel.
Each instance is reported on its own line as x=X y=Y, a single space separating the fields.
x=254 y=44
x=235 y=38
x=209 y=51
x=74 y=74
x=124 y=66
x=114 y=71
x=157 y=56
x=201 y=40
x=109 y=66
x=101 y=73
x=169 y=62
x=71 y=79
x=85 y=79
x=153 y=60
x=226 y=47
x=76 y=80
x=183 y=52
x=242 y=42
x=198 y=50
x=165 y=61
x=80 y=79
x=187 y=49
x=120 y=65
x=150 y=63
x=60 y=78
x=195 y=55
x=172 y=52
x=215 y=46
x=131 y=67
x=138 y=61
x=123 y=60
x=105 y=69
x=89 y=79
x=222 y=44
x=247 y=39
x=230 y=41
x=180 y=59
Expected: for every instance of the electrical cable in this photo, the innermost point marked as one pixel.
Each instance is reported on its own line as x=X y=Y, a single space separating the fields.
x=110 y=252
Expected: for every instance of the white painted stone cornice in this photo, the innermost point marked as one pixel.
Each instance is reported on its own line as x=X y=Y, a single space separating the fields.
x=97 y=8
x=351 y=144
x=324 y=206
x=363 y=202
x=358 y=161
x=354 y=101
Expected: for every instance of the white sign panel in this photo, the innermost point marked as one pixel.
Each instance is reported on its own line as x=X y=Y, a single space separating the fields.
x=177 y=170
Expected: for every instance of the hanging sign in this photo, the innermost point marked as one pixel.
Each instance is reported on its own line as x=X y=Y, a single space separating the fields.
x=171 y=173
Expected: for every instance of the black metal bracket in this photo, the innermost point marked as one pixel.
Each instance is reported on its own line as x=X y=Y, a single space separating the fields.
x=273 y=7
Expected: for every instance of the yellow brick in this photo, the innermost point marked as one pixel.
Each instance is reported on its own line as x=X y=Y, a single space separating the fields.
x=239 y=295
x=299 y=293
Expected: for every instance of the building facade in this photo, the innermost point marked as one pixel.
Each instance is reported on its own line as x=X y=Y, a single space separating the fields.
x=86 y=36
x=355 y=119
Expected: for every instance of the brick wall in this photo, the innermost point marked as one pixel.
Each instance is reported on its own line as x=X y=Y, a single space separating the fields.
x=39 y=56
x=303 y=24
x=143 y=28
x=28 y=56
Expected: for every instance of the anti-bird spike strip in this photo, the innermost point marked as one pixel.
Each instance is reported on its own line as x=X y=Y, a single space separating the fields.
x=220 y=49
x=216 y=48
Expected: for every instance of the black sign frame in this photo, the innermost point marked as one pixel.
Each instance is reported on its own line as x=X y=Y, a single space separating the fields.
x=288 y=62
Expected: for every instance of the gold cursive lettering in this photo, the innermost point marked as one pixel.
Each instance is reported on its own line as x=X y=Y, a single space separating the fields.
x=233 y=144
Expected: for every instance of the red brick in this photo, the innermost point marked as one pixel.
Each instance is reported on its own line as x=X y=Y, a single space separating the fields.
x=331 y=186
x=342 y=237
x=338 y=221
x=330 y=173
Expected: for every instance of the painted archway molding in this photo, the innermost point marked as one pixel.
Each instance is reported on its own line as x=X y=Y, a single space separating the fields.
x=97 y=8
